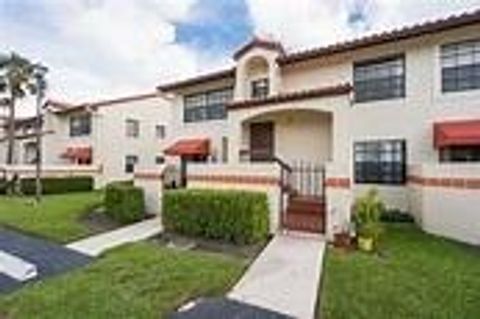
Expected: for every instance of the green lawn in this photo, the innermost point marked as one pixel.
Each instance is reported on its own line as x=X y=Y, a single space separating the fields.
x=136 y=281
x=416 y=276
x=55 y=218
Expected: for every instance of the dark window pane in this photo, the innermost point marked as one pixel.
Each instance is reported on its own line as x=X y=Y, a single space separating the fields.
x=379 y=80
x=207 y=105
x=460 y=66
x=380 y=162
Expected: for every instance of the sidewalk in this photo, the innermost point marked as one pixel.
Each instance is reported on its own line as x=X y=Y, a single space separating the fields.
x=285 y=277
x=95 y=245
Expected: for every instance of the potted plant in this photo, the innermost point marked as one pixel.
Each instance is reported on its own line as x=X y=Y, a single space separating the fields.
x=367 y=211
x=342 y=236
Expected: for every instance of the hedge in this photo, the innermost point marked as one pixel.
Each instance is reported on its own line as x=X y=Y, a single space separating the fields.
x=236 y=216
x=124 y=202
x=58 y=185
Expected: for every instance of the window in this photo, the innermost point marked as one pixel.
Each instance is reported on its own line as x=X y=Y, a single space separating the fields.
x=380 y=162
x=80 y=125
x=225 y=149
x=460 y=66
x=159 y=160
x=207 y=105
x=380 y=79
x=132 y=128
x=160 y=131
x=468 y=153
x=130 y=162
x=260 y=88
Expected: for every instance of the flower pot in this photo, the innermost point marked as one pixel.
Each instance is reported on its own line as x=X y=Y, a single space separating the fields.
x=342 y=240
x=365 y=244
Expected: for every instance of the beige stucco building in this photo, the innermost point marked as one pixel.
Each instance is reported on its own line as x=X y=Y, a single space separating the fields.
x=337 y=120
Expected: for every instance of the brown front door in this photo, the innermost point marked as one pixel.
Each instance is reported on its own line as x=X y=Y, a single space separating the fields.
x=262 y=141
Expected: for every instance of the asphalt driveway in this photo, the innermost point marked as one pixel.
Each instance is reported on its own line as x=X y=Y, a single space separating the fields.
x=50 y=258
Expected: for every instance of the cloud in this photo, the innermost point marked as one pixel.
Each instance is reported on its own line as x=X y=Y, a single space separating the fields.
x=96 y=49
x=308 y=23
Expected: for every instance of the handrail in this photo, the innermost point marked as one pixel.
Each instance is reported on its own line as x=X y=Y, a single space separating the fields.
x=282 y=164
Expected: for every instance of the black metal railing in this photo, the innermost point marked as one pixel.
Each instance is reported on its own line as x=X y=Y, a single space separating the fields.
x=308 y=179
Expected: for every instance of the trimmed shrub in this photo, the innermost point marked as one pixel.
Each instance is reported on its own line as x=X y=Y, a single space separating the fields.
x=396 y=216
x=58 y=185
x=124 y=202
x=236 y=216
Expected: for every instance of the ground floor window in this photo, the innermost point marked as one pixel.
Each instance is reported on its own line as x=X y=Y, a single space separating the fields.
x=130 y=162
x=380 y=162
x=467 y=153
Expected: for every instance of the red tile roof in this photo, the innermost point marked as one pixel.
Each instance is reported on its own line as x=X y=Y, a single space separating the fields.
x=64 y=108
x=213 y=76
x=261 y=43
x=293 y=96
x=429 y=27
x=451 y=22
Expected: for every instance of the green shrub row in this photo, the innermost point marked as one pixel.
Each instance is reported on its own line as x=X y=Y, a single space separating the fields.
x=124 y=202
x=235 y=216
x=58 y=185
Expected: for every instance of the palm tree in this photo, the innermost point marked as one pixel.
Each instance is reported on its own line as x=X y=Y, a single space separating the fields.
x=16 y=81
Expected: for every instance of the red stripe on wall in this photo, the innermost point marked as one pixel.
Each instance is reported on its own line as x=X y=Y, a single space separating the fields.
x=338 y=182
x=235 y=179
x=446 y=182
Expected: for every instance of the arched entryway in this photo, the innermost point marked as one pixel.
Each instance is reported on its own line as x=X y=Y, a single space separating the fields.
x=300 y=141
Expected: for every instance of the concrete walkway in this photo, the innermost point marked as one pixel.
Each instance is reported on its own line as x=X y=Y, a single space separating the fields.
x=285 y=277
x=95 y=245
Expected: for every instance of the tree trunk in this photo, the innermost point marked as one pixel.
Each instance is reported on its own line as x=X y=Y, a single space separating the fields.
x=11 y=131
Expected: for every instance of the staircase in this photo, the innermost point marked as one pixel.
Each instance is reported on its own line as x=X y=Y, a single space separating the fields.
x=305 y=213
x=302 y=197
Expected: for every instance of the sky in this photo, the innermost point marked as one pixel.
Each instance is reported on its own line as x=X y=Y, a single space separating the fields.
x=97 y=49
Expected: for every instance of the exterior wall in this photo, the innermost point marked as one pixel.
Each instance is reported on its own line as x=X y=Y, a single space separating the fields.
x=444 y=199
x=112 y=144
x=108 y=138
x=214 y=130
x=248 y=177
x=299 y=136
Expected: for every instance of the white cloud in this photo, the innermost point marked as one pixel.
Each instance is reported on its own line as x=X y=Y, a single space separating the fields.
x=104 y=48
x=309 y=23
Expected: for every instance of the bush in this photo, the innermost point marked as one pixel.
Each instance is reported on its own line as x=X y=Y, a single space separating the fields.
x=396 y=216
x=124 y=202
x=368 y=209
x=58 y=185
x=235 y=216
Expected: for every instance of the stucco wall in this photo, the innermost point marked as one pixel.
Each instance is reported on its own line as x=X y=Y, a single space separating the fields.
x=108 y=138
x=445 y=200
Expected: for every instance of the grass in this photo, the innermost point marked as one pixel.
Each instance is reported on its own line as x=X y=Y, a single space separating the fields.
x=136 y=281
x=56 y=218
x=416 y=275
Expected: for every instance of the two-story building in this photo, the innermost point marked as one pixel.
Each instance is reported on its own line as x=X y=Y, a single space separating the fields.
x=368 y=108
x=116 y=135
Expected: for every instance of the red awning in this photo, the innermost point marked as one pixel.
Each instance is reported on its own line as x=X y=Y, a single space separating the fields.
x=77 y=153
x=199 y=147
x=456 y=133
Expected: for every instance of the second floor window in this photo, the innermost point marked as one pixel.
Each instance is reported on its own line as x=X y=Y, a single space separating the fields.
x=132 y=128
x=205 y=106
x=259 y=88
x=380 y=79
x=80 y=125
x=160 y=131
x=460 y=66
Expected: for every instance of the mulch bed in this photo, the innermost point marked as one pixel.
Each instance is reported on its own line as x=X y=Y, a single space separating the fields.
x=98 y=222
x=188 y=243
